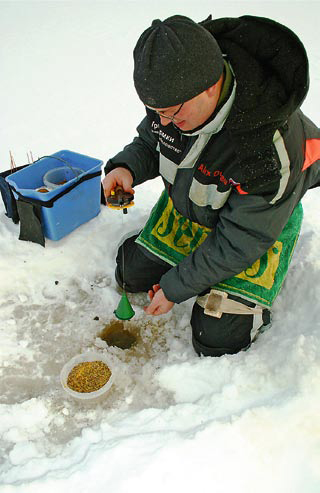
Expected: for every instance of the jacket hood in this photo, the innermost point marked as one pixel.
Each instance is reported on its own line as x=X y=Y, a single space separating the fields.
x=270 y=66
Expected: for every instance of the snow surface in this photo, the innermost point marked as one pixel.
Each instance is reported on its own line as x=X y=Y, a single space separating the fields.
x=172 y=421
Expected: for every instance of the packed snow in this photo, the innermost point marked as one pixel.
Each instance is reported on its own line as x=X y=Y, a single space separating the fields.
x=171 y=421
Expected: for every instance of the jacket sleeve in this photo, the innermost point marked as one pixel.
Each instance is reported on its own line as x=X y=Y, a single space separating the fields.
x=140 y=156
x=247 y=227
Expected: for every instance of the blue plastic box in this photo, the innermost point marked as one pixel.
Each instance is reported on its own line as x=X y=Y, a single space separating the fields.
x=77 y=206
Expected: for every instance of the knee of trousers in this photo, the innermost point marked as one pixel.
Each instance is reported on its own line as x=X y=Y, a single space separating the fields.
x=130 y=269
x=130 y=281
x=124 y=263
x=135 y=270
x=229 y=334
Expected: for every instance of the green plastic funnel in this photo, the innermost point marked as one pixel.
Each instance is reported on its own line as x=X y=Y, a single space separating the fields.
x=124 y=310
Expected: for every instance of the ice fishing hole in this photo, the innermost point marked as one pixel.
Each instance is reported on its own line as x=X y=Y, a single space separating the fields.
x=116 y=334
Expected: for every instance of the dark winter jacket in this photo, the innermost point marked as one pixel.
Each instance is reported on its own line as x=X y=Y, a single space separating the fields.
x=245 y=170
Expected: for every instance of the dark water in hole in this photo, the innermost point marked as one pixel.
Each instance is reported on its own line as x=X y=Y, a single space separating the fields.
x=115 y=334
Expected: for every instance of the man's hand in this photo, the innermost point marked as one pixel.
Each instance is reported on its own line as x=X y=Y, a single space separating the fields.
x=118 y=176
x=159 y=304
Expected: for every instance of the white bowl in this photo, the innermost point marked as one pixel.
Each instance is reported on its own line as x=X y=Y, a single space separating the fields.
x=81 y=358
x=56 y=177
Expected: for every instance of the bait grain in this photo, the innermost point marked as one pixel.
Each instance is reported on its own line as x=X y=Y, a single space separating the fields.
x=88 y=376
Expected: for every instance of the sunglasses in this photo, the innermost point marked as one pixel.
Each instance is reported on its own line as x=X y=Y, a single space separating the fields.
x=172 y=117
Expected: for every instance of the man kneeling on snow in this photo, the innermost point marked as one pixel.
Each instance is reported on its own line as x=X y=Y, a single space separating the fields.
x=224 y=129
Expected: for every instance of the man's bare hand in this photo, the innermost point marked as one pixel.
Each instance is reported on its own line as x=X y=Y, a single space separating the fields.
x=159 y=304
x=117 y=177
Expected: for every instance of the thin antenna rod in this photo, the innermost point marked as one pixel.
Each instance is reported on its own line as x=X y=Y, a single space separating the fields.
x=30 y=157
x=12 y=162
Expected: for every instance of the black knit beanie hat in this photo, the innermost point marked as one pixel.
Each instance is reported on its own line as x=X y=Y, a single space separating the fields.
x=174 y=61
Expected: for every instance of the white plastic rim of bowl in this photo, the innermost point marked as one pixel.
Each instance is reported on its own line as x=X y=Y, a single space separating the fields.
x=81 y=358
x=63 y=170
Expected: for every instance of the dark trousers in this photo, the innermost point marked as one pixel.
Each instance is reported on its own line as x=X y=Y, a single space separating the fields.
x=210 y=336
